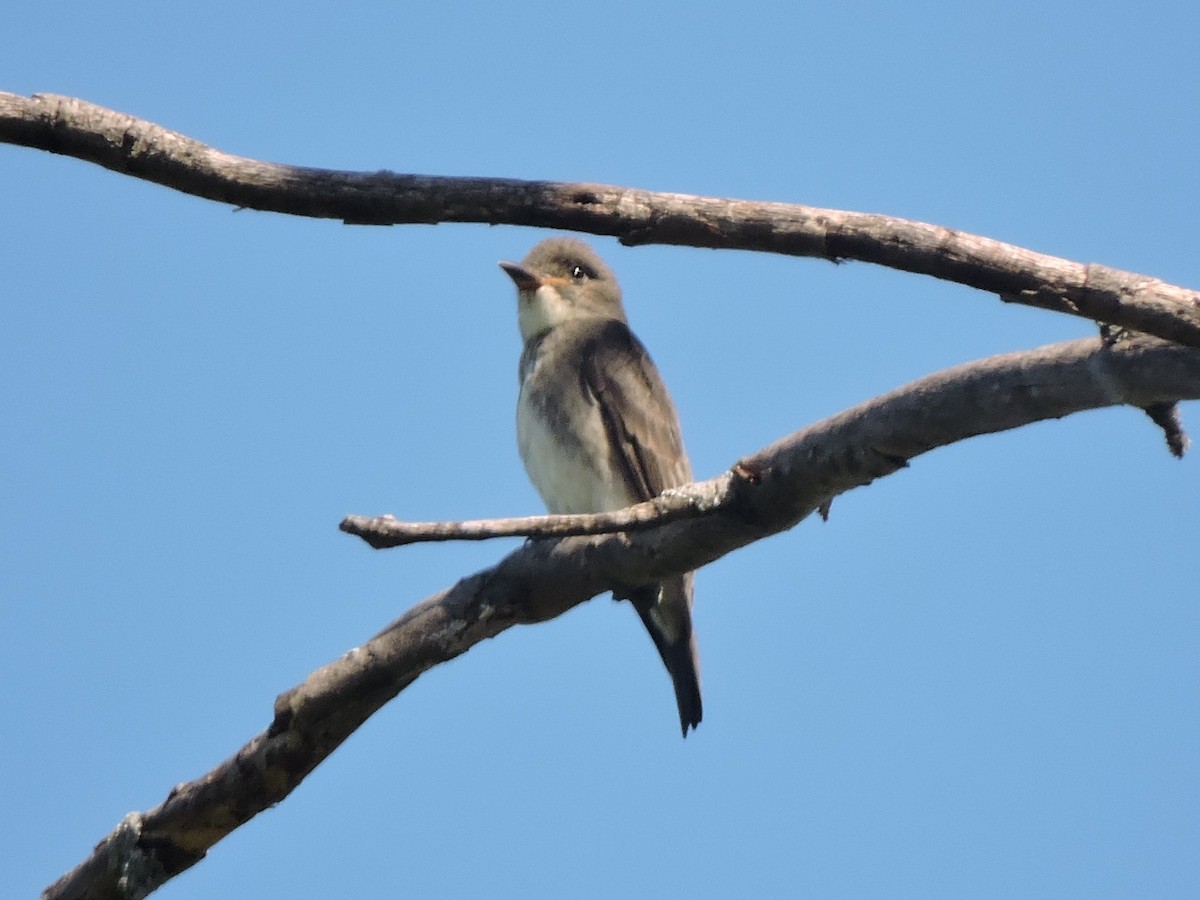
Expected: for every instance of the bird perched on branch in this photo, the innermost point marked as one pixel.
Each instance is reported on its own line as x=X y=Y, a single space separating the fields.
x=596 y=427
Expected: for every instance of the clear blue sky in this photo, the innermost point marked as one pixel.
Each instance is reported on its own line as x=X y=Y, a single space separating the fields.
x=979 y=679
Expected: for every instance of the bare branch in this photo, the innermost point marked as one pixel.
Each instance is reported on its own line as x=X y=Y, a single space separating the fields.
x=136 y=147
x=767 y=493
x=1002 y=376
x=386 y=531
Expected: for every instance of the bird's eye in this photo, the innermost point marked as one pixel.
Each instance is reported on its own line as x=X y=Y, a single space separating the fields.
x=579 y=273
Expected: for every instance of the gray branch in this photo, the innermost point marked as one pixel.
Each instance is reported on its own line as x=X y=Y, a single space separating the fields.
x=136 y=147
x=678 y=503
x=760 y=495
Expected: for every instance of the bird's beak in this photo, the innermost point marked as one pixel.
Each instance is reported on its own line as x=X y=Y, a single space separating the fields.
x=522 y=277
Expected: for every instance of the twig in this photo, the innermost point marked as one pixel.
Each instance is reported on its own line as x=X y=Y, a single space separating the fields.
x=1166 y=416
x=386 y=531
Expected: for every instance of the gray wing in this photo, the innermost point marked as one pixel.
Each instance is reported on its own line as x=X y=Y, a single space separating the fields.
x=637 y=410
x=643 y=427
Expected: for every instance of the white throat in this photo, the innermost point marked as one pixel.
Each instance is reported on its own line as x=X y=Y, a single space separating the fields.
x=540 y=311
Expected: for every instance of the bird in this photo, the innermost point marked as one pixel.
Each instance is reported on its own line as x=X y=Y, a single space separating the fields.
x=597 y=429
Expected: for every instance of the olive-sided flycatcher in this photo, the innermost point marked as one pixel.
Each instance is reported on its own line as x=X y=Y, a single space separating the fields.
x=596 y=427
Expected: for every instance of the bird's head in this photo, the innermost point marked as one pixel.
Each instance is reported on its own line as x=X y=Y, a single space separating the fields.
x=562 y=279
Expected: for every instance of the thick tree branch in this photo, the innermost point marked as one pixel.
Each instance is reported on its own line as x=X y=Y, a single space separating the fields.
x=136 y=147
x=712 y=498
x=762 y=495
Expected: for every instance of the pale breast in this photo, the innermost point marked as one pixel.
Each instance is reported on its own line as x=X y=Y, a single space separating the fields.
x=565 y=450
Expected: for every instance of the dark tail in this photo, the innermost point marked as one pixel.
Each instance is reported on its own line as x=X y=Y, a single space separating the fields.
x=668 y=618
